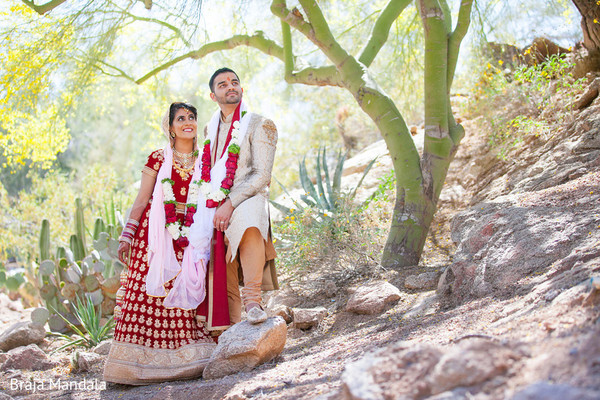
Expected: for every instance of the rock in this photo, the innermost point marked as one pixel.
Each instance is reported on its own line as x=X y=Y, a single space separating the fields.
x=469 y=363
x=360 y=385
x=28 y=357
x=372 y=298
x=424 y=281
x=85 y=361
x=256 y=316
x=306 y=318
x=21 y=334
x=244 y=346
x=103 y=347
x=283 y=311
x=7 y=303
x=550 y=391
x=330 y=289
x=551 y=294
x=512 y=237
x=399 y=371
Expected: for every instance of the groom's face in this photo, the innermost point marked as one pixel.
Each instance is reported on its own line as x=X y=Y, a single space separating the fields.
x=227 y=89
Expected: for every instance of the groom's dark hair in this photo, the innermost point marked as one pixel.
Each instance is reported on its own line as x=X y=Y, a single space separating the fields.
x=211 y=82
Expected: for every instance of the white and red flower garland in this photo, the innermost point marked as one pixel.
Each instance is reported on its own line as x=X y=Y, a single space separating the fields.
x=215 y=197
x=178 y=232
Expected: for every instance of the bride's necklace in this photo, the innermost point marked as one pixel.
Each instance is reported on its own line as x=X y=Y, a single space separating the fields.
x=183 y=163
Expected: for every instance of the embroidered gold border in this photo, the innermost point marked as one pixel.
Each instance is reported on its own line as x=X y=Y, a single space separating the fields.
x=133 y=364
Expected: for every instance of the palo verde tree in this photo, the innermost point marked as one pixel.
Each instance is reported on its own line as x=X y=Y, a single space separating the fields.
x=419 y=177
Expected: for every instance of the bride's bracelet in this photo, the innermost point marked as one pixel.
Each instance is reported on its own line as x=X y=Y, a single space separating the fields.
x=129 y=231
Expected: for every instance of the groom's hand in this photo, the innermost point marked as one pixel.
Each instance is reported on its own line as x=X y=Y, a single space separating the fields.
x=222 y=216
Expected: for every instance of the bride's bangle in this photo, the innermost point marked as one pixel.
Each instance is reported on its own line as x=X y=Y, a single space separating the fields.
x=129 y=231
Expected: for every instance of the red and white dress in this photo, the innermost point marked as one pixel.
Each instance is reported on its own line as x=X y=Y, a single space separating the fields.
x=153 y=343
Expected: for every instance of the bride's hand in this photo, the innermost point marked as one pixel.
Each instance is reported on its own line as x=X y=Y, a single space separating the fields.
x=123 y=252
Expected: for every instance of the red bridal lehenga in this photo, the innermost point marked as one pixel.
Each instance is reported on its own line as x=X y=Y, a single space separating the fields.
x=153 y=343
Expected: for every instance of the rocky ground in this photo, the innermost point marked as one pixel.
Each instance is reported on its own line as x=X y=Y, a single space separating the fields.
x=502 y=307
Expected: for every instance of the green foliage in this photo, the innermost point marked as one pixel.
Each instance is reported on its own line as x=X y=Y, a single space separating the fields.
x=386 y=187
x=512 y=133
x=326 y=195
x=89 y=330
x=542 y=80
x=52 y=196
x=526 y=104
x=33 y=50
x=309 y=238
x=11 y=282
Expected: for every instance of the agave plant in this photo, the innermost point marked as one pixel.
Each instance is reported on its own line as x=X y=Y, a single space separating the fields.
x=89 y=330
x=326 y=194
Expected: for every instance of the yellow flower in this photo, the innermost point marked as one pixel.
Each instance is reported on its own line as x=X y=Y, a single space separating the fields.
x=500 y=62
x=489 y=65
x=595 y=20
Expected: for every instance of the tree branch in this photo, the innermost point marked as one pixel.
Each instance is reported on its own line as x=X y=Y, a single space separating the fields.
x=323 y=76
x=462 y=26
x=317 y=76
x=176 y=30
x=257 y=41
x=121 y=73
x=44 y=8
x=288 y=53
x=381 y=30
x=323 y=37
x=293 y=18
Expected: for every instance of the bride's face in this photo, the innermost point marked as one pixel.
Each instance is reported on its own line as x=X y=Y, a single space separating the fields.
x=184 y=124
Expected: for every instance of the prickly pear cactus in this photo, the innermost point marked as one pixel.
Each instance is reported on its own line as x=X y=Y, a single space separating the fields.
x=76 y=271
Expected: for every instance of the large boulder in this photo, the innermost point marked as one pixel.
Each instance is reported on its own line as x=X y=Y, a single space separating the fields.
x=405 y=371
x=244 y=346
x=21 y=334
x=28 y=357
x=398 y=371
x=372 y=298
x=470 y=363
x=518 y=235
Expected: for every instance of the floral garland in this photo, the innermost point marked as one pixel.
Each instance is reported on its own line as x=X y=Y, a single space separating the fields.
x=215 y=197
x=178 y=232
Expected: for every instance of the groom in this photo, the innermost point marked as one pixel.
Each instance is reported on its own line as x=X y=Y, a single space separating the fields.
x=243 y=216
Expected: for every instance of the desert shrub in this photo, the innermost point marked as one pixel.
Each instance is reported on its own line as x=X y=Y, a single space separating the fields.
x=526 y=104
x=309 y=239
